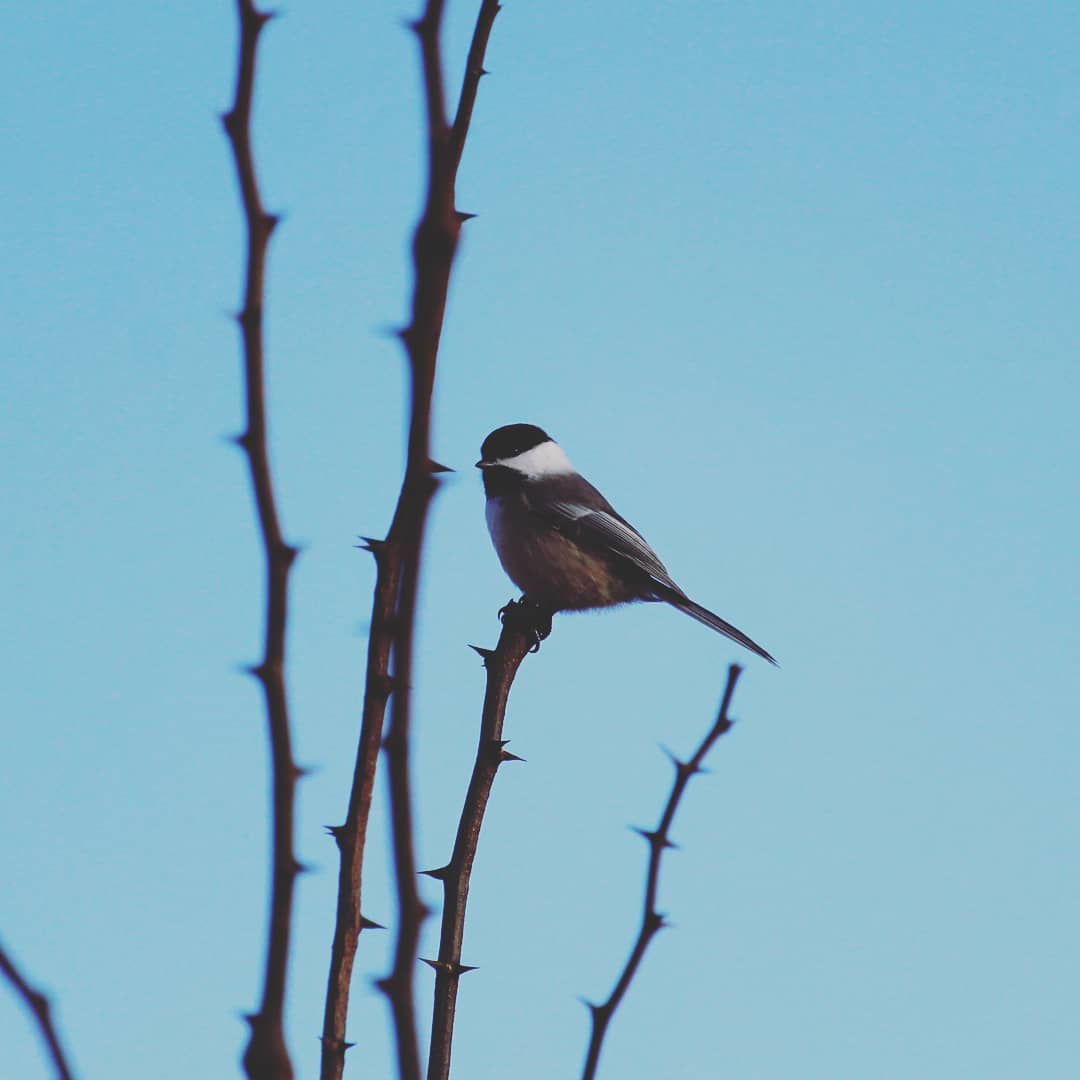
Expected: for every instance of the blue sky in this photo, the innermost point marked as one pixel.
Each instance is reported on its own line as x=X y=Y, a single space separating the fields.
x=796 y=287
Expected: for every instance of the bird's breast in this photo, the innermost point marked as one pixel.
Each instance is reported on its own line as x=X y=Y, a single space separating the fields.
x=549 y=566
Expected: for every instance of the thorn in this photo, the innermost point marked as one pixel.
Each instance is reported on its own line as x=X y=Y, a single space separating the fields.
x=681 y=767
x=299 y=868
x=243 y=440
x=384 y=984
x=337 y=832
x=335 y=1044
x=369 y=543
x=435 y=467
x=439 y=873
x=256 y=671
x=655 y=922
x=370 y=924
x=504 y=754
x=448 y=967
x=482 y=72
x=462 y=216
x=590 y=1005
x=484 y=654
x=654 y=838
x=300 y=772
x=270 y=222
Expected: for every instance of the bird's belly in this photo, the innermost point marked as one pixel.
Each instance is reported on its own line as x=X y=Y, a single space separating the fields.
x=550 y=568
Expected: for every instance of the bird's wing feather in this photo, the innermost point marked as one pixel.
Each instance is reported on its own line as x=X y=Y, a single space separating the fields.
x=605 y=530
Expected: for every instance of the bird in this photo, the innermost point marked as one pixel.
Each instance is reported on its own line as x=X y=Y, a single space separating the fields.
x=563 y=544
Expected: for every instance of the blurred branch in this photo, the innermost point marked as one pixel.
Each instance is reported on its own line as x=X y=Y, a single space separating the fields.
x=502 y=665
x=658 y=839
x=266 y=1054
x=38 y=1004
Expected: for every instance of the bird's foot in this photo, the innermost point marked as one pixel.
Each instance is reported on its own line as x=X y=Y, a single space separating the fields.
x=529 y=617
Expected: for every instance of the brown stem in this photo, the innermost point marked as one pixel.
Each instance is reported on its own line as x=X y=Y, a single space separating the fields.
x=397 y=582
x=38 y=1004
x=266 y=1055
x=474 y=72
x=351 y=836
x=502 y=665
x=658 y=840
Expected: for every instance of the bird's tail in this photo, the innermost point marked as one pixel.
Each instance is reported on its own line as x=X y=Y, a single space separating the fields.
x=703 y=615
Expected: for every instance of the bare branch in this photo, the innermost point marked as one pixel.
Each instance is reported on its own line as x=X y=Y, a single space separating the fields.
x=398 y=563
x=474 y=71
x=266 y=1055
x=658 y=840
x=502 y=665
x=38 y=1004
x=351 y=836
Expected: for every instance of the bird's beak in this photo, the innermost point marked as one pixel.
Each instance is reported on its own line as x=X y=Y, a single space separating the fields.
x=484 y=464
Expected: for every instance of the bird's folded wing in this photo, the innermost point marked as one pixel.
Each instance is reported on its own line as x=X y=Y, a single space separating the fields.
x=599 y=530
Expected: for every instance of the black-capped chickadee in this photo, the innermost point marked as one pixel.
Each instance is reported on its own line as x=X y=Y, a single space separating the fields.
x=561 y=541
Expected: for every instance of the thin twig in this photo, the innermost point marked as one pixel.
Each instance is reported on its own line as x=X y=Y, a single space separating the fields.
x=266 y=1055
x=474 y=72
x=491 y=752
x=397 y=569
x=39 y=1005
x=658 y=840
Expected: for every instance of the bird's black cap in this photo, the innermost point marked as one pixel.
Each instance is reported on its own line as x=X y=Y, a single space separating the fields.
x=511 y=440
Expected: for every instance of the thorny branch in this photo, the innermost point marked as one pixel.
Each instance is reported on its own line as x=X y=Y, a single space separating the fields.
x=502 y=665
x=266 y=1055
x=398 y=564
x=38 y=1004
x=652 y=921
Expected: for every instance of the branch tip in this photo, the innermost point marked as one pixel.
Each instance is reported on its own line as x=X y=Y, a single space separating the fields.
x=652 y=921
